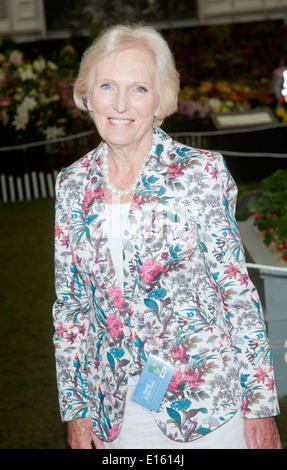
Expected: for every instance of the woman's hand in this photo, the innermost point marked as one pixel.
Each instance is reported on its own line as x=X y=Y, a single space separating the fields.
x=81 y=435
x=261 y=433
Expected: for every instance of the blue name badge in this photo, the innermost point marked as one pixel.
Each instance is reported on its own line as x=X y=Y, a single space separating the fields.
x=153 y=383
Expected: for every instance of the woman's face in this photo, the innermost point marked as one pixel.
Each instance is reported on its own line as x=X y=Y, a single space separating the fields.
x=124 y=98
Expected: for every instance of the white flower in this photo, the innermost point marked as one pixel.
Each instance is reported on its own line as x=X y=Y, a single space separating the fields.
x=26 y=73
x=21 y=120
x=29 y=103
x=39 y=65
x=53 y=132
x=46 y=100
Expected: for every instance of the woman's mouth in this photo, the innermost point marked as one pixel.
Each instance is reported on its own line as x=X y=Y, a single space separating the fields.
x=120 y=122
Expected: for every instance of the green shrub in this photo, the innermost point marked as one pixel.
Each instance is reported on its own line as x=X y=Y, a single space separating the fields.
x=270 y=210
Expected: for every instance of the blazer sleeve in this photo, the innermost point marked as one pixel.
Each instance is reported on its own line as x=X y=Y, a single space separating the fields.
x=225 y=263
x=70 y=316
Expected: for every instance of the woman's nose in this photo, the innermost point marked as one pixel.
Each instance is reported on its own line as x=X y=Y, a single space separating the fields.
x=121 y=102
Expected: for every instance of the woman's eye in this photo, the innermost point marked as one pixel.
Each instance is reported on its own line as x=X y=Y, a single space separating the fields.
x=141 y=89
x=106 y=86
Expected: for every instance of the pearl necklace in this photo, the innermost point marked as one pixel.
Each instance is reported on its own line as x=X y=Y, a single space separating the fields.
x=105 y=169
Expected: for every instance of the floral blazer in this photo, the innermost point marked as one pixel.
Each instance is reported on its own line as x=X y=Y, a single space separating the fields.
x=187 y=297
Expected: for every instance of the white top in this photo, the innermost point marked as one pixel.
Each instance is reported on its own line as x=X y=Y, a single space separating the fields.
x=116 y=216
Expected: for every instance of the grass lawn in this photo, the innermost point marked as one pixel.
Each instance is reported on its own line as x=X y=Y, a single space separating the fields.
x=29 y=413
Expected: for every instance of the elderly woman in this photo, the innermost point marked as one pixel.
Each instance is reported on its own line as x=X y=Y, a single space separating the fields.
x=159 y=335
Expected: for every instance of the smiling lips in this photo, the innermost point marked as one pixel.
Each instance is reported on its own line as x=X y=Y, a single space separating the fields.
x=120 y=122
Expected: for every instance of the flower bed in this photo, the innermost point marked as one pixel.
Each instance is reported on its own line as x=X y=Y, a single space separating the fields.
x=222 y=96
x=36 y=99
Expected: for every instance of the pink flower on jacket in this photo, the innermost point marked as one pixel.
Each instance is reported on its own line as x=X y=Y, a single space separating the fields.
x=150 y=270
x=61 y=330
x=176 y=381
x=98 y=193
x=65 y=241
x=270 y=384
x=136 y=203
x=175 y=170
x=58 y=231
x=117 y=297
x=261 y=375
x=232 y=271
x=193 y=377
x=113 y=432
x=165 y=270
x=115 y=326
x=88 y=199
x=179 y=353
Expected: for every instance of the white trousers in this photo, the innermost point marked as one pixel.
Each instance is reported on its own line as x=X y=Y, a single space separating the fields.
x=140 y=431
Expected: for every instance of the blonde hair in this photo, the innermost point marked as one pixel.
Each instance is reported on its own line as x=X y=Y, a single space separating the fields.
x=121 y=37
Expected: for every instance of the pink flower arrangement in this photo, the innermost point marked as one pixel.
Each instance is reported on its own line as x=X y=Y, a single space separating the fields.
x=117 y=297
x=88 y=199
x=98 y=193
x=115 y=326
x=150 y=270
x=176 y=381
x=175 y=170
x=179 y=353
x=193 y=377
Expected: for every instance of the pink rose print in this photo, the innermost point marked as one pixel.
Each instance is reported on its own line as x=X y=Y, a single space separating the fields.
x=179 y=354
x=88 y=199
x=113 y=432
x=137 y=201
x=175 y=170
x=117 y=297
x=149 y=270
x=176 y=381
x=98 y=193
x=193 y=377
x=115 y=326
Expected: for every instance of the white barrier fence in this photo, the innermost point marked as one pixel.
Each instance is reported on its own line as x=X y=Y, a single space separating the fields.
x=28 y=186
x=36 y=185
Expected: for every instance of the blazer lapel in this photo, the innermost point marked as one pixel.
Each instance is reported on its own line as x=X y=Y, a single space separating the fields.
x=150 y=197
x=101 y=263
x=149 y=193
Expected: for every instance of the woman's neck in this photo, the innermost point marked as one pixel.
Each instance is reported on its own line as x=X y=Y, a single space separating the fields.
x=124 y=167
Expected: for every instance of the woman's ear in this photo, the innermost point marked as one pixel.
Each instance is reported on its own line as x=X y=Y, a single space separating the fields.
x=89 y=104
